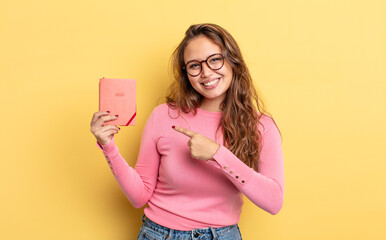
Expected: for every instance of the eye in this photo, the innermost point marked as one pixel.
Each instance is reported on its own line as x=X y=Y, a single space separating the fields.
x=194 y=66
x=215 y=59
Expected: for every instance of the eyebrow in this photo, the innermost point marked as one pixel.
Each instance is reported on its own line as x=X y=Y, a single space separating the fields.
x=202 y=60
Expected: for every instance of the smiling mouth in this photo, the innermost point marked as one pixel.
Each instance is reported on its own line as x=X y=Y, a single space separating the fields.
x=211 y=83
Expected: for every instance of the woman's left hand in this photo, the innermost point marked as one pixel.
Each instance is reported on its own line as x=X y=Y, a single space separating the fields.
x=200 y=146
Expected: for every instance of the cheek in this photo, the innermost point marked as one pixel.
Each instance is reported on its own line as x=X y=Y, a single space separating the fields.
x=193 y=80
x=227 y=70
x=194 y=83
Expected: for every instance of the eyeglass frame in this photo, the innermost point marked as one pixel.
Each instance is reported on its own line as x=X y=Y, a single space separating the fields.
x=206 y=61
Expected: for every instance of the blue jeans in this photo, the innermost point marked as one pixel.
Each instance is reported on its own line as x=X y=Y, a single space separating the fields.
x=152 y=231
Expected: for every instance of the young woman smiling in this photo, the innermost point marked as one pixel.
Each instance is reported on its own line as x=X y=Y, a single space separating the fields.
x=211 y=143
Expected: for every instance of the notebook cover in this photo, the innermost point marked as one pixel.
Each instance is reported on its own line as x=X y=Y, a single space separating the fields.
x=119 y=97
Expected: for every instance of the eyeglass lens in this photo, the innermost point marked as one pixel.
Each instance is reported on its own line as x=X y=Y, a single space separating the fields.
x=214 y=62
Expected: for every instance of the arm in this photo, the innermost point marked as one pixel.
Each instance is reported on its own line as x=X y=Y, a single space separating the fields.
x=137 y=183
x=266 y=187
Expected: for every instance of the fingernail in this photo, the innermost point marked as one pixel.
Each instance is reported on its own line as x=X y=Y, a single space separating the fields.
x=108 y=111
x=116 y=115
x=173 y=126
x=119 y=128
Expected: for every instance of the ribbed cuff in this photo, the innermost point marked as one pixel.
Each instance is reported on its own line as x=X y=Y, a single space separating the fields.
x=108 y=148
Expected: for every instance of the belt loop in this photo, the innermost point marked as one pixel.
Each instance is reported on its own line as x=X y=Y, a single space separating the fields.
x=213 y=233
x=143 y=218
x=170 y=235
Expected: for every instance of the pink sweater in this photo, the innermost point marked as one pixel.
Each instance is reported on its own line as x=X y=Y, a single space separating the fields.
x=184 y=193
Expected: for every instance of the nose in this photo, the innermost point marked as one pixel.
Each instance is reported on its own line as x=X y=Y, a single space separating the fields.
x=206 y=71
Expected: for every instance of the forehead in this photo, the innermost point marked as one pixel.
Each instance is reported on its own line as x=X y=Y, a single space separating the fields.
x=199 y=48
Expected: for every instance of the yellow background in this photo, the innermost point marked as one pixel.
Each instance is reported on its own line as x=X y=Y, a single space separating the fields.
x=319 y=65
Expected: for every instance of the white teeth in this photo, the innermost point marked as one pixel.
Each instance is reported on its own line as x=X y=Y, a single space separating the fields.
x=211 y=83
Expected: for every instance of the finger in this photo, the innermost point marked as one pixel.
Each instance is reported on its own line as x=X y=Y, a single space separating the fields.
x=111 y=132
x=97 y=115
x=184 y=131
x=108 y=134
x=101 y=120
x=100 y=132
x=109 y=127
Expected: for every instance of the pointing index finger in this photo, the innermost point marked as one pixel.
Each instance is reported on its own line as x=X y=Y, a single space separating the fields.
x=184 y=131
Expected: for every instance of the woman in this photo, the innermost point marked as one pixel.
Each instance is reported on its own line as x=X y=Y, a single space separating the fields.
x=202 y=149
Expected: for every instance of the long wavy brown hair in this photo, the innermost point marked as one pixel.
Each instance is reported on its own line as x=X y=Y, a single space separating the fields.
x=241 y=108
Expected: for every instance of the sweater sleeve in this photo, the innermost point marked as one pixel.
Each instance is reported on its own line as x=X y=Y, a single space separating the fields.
x=266 y=187
x=137 y=183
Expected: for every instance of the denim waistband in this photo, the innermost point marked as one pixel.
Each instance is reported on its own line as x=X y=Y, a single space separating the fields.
x=168 y=231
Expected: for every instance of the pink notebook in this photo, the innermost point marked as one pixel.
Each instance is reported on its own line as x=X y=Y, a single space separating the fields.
x=119 y=97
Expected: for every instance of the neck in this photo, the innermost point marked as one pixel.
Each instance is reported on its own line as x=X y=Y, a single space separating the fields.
x=211 y=105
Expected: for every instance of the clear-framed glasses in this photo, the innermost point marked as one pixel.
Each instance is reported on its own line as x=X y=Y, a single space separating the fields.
x=214 y=62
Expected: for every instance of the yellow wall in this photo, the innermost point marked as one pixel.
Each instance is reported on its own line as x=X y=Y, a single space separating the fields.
x=319 y=65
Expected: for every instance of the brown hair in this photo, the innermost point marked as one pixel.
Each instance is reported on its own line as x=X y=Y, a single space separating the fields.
x=244 y=140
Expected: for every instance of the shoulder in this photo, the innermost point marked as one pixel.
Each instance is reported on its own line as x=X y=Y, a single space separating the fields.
x=269 y=130
x=164 y=111
x=163 y=108
x=158 y=111
x=267 y=124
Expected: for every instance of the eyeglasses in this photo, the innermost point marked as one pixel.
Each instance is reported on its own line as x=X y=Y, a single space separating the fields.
x=214 y=62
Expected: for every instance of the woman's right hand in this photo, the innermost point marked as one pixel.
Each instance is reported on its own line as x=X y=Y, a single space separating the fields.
x=103 y=134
